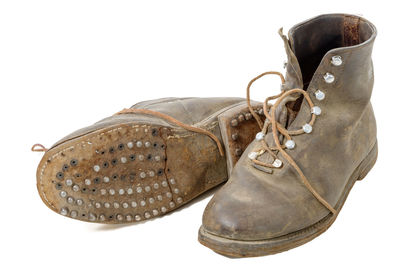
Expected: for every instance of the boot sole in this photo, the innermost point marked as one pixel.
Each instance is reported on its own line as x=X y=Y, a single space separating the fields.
x=137 y=171
x=238 y=248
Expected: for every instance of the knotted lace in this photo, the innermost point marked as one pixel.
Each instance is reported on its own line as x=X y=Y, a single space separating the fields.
x=277 y=129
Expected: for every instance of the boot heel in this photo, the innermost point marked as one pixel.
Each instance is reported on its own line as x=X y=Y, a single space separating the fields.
x=238 y=129
x=368 y=162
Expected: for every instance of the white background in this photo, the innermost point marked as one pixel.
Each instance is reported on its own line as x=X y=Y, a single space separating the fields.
x=67 y=64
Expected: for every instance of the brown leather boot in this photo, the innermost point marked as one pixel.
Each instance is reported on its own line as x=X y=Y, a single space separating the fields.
x=317 y=141
x=147 y=160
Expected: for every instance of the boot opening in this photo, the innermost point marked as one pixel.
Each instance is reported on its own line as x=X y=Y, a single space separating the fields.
x=312 y=40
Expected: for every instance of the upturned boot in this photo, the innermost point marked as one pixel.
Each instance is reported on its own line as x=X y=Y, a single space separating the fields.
x=319 y=138
x=147 y=160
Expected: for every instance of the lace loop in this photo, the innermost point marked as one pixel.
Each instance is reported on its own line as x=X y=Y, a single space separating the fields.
x=39 y=148
x=255 y=115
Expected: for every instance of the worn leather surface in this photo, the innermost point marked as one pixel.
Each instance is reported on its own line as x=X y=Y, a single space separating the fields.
x=255 y=205
x=187 y=110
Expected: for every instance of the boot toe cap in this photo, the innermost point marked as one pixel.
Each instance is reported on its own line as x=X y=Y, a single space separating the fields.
x=249 y=208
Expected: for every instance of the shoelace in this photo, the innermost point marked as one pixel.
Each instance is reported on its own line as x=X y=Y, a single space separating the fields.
x=41 y=148
x=176 y=122
x=277 y=128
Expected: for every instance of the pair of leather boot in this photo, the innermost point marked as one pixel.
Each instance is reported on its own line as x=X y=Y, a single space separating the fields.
x=290 y=164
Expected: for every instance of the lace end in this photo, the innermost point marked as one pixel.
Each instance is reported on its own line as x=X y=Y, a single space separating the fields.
x=39 y=148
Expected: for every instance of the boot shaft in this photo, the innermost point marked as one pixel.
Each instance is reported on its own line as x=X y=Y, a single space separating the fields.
x=332 y=52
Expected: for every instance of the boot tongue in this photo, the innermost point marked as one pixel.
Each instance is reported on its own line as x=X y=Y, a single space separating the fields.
x=293 y=72
x=293 y=79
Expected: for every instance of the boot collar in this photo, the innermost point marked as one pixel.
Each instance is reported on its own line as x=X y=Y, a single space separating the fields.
x=317 y=42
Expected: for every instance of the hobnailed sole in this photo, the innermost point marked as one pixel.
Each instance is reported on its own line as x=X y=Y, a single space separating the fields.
x=134 y=171
x=238 y=248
